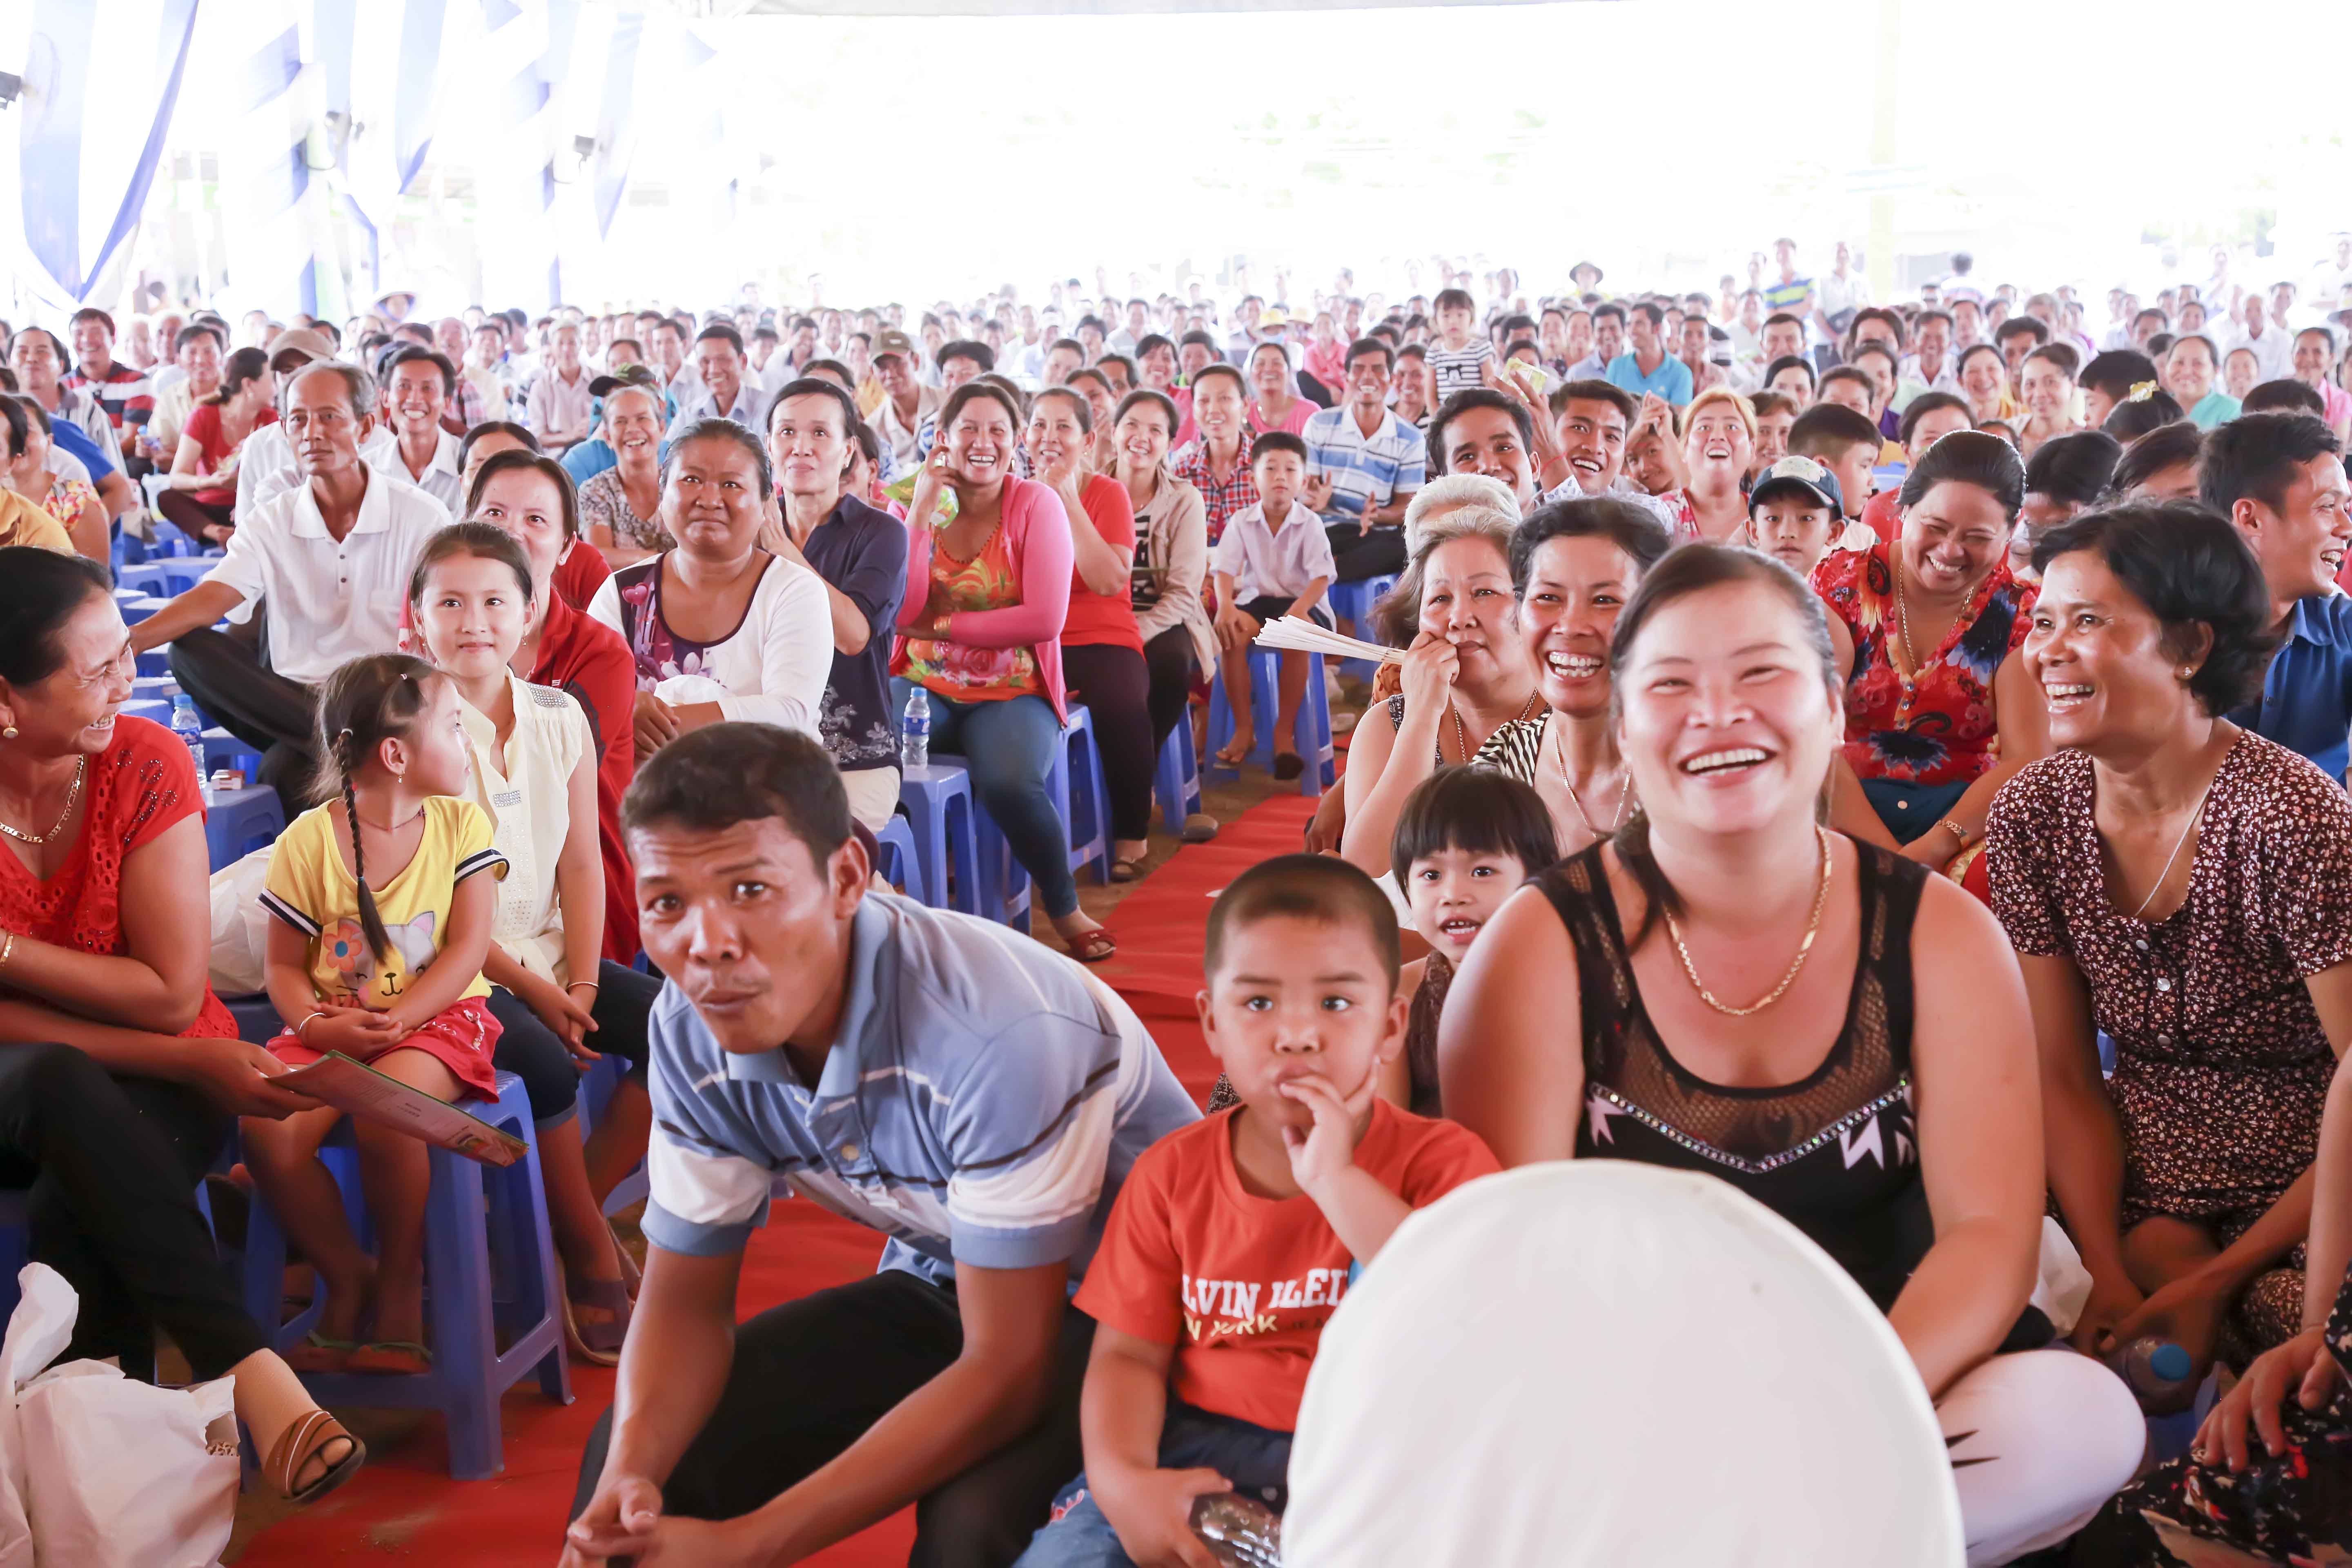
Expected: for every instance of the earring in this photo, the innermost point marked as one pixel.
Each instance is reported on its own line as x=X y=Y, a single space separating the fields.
x=9 y=733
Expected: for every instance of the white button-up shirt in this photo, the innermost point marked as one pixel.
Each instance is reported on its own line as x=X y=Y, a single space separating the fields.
x=1274 y=563
x=327 y=600
x=556 y=404
x=440 y=479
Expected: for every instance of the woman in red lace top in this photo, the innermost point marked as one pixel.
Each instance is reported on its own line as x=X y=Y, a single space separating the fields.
x=124 y=1071
x=1940 y=711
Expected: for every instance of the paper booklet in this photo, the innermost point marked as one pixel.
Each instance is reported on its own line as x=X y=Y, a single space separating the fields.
x=351 y=1085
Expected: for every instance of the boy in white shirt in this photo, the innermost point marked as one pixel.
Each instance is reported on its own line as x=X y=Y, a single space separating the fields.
x=1274 y=559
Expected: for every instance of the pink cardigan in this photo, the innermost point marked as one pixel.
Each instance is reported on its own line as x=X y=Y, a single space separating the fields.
x=1038 y=532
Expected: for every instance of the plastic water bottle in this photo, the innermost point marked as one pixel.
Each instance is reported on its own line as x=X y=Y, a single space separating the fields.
x=1243 y=1532
x=186 y=725
x=2159 y=1373
x=915 y=731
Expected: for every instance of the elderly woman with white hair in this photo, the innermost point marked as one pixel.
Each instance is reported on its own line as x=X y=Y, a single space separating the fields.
x=1466 y=672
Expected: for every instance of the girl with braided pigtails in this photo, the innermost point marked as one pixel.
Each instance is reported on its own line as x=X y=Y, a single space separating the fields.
x=382 y=926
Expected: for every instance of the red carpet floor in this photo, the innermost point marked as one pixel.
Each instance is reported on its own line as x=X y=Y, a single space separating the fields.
x=405 y=1507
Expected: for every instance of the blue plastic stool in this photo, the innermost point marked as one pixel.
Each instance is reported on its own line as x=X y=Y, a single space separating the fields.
x=222 y=750
x=902 y=862
x=490 y=1274
x=597 y=1085
x=125 y=549
x=156 y=688
x=1003 y=884
x=16 y=1246
x=1312 y=730
x=1176 y=783
x=1352 y=603
x=240 y=821
x=146 y=577
x=135 y=606
x=1079 y=790
x=940 y=811
x=157 y=709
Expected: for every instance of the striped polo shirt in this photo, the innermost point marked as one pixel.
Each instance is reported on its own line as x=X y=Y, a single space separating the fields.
x=983 y=1101
x=1375 y=468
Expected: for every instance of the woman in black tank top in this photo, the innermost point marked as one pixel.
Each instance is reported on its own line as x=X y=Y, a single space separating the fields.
x=1726 y=986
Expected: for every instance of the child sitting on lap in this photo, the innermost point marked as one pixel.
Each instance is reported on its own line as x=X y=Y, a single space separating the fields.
x=376 y=952
x=1235 y=1239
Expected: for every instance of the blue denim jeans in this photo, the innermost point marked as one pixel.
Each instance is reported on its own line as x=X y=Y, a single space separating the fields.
x=1255 y=1460
x=1008 y=745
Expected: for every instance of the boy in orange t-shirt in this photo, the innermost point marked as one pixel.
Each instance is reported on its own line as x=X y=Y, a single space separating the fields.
x=1235 y=1239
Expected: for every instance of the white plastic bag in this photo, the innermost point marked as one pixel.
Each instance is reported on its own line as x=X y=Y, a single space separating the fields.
x=240 y=926
x=110 y=1472
x=40 y=1328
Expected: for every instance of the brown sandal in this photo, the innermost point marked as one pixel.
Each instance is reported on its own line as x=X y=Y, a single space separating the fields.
x=597 y=1342
x=302 y=1442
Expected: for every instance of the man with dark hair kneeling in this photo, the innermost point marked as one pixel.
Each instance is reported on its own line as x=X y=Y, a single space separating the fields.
x=978 y=1098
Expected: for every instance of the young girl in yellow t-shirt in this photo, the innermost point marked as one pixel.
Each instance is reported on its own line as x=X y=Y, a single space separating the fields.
x=376 y=952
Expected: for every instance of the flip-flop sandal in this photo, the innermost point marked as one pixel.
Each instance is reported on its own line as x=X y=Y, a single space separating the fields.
x=1093 y=947
x=599 y=1341
x=1125 y=871
x=631 y=1274
x=299 y=1444
x=391 y=1358
x=319 y=1353
x=1230 y=758
x=1288 y=765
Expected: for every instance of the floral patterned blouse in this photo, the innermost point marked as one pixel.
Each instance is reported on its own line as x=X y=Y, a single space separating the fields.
x=989 y=581
x=1939 y=727
x=65 y=499
x=604 y=499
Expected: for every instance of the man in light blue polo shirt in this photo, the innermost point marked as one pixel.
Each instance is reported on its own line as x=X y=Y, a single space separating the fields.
x=972 y=1095
x=1647 y=367
x=2280 y=479
x=1363 y=465
x=726 y=391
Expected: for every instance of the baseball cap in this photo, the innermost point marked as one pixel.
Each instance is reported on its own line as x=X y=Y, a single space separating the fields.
x=626 y=376
x=311 y=344
x=894 y=342
x=1795 y=473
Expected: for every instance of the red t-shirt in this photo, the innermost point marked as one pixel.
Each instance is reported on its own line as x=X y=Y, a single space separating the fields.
x=587 y=659
x=204 y=425
x=580 y=571
x=1104 y=617
x=143 y=784
x=1242 y=1286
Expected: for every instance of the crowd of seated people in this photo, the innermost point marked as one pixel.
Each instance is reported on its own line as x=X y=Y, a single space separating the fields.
x=1999 y=667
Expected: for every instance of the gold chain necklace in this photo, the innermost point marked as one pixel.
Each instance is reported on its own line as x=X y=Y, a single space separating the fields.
x=1804 y=948
x=1624 y=790
x=73 y=794
x=1462 y=735
x=1903 y=619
